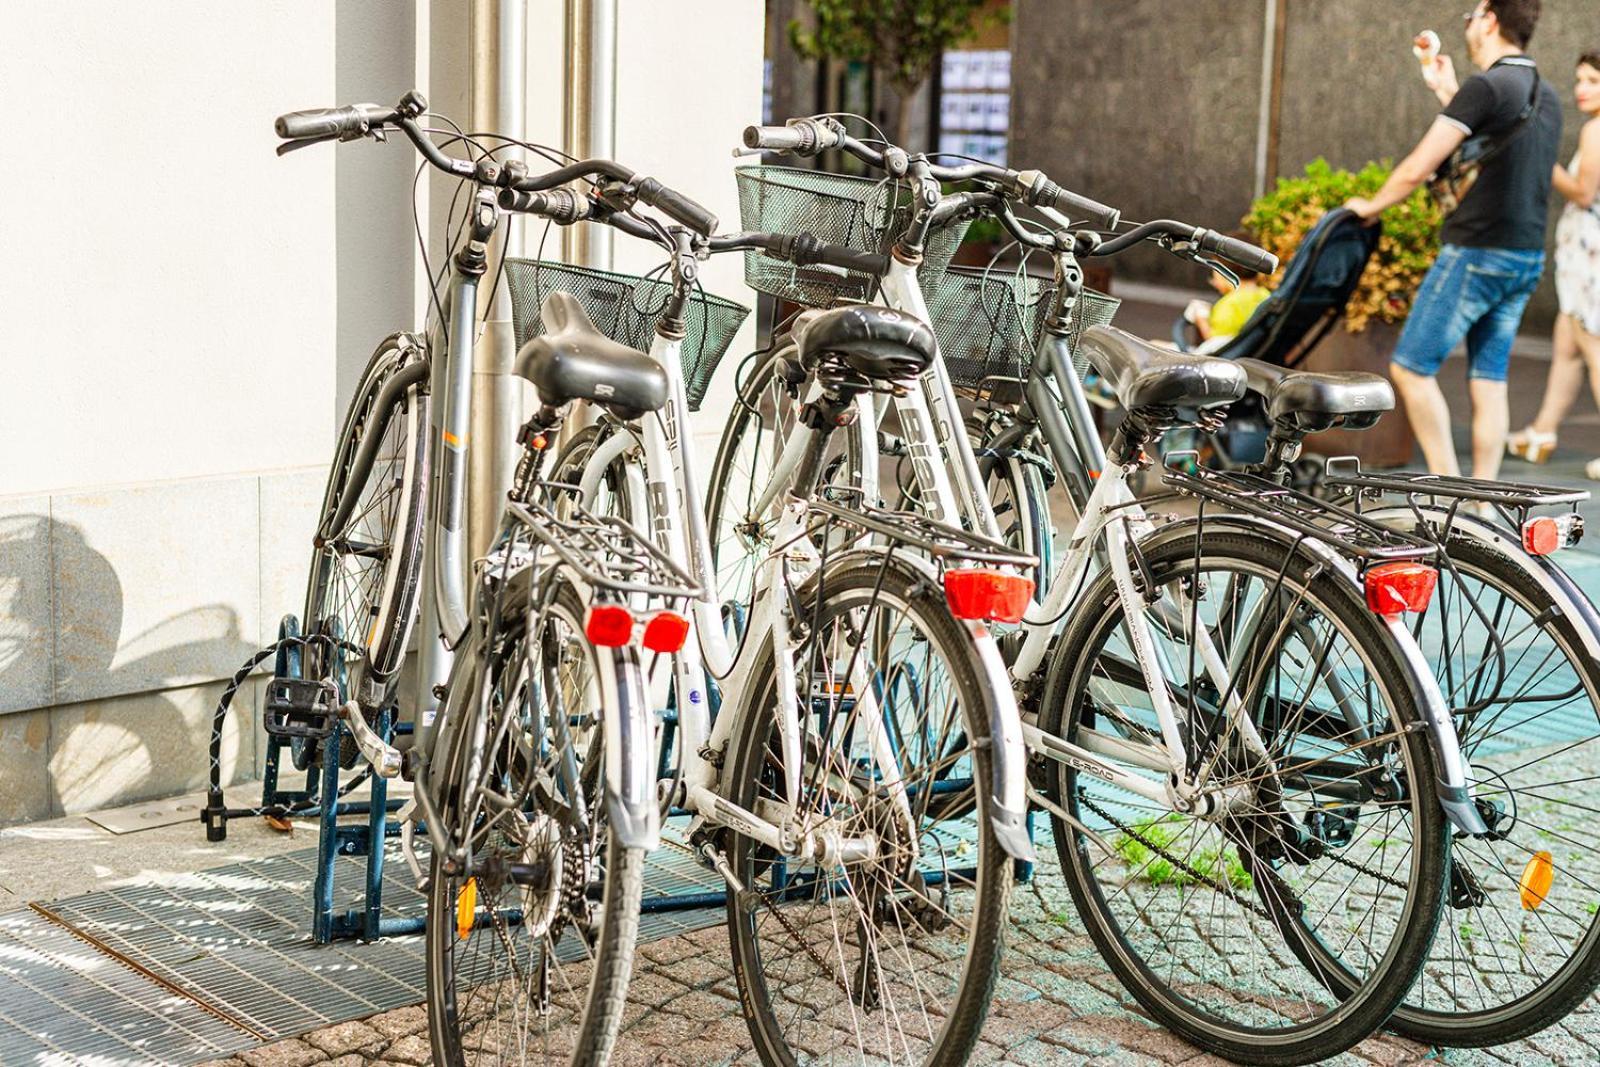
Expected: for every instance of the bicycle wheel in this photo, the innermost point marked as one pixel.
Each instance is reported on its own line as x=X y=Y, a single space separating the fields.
x=752 y=441
x=1328 y=833
x=1515 y=956
x=1018 y=494
x=530 y=945
x=891 y=954
x=365 y=576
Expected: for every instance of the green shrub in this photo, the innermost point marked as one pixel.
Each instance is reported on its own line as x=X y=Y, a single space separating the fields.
x=1410 y=243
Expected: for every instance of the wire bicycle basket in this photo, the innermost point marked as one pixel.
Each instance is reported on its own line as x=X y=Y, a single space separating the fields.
x=988 y=322
x=625 y=308
x=865 y=214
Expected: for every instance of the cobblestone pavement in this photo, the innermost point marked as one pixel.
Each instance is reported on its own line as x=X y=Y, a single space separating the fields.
x=1056 y=1004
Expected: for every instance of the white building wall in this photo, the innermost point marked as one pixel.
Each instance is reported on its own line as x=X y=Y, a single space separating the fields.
x=175 y=339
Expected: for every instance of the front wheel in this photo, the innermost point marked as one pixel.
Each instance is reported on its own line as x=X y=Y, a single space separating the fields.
x=888 y=951
x=1318 y=836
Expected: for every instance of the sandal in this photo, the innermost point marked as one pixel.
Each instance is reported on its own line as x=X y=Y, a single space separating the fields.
x=1531 y=445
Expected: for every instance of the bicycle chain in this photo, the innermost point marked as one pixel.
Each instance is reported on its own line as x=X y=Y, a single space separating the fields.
x=1203 y=879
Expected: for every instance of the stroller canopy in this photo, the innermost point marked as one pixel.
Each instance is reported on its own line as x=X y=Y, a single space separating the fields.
x=1311 y=298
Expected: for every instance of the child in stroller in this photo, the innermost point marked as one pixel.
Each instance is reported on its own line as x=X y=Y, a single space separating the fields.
x=1288 y=324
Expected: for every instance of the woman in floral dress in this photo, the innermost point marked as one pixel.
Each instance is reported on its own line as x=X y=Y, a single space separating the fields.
x=1577 y=333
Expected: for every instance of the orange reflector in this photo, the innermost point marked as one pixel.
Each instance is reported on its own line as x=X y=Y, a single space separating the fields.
x=1549 y=533
x=1536 y=879
x=608 y=625
x=1398 y=587
x=466 y=908
x=665 y=632
x=981 y=593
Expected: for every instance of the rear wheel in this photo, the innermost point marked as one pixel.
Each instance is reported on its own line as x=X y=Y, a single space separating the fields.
x=1515 y=955
x=1324 y=840
x=530 y=945
x=888 y=954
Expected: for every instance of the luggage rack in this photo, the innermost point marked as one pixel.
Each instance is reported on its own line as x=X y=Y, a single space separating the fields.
x=914 y=530
x=1320 y=520
x=1345 y=473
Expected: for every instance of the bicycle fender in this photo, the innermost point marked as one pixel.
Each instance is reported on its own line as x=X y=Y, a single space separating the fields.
x=1009 y=752
x=1542 y=569
x=1451 y=788
x=630 y=751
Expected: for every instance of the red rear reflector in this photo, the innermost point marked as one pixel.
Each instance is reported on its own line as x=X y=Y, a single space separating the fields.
x=1393 y=588
x=608 y=625
x=979 y=593
x=665 y=632
x=1548 y=533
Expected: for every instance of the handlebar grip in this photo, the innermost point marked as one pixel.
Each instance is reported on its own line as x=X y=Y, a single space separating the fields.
x=1074 y=206
x=1242 y=253
x=320 y=122
x=849 y=259
x=675 y=204
x=802 y=137
x=775 y=138
x=561 y=206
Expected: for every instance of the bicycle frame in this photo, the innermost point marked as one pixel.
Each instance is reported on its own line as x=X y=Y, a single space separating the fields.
x=672 y=485
x=1061 y=410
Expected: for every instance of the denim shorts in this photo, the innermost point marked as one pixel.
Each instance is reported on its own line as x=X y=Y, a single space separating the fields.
x=1473 y=293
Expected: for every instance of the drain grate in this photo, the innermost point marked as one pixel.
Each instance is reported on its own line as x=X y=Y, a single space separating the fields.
x=221 y=960
x=62 y=1002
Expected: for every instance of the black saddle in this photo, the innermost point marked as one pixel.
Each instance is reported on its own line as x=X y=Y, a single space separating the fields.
x=1309 y=401
x=572 y=360
x=877 y=344
x=1144 y=375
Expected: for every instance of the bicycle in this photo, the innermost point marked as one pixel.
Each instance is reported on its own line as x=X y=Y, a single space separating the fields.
x=860 y=788
x=536 y=787
x=1316 y=581
x=1516 y=646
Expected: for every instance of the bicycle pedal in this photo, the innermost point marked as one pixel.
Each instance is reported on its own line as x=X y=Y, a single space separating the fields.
x=300 y=707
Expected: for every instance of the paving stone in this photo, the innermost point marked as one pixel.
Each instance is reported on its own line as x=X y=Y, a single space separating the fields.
x=413 y=1048
x=400 y=1022
x=341 y=1038
x=290 y=1053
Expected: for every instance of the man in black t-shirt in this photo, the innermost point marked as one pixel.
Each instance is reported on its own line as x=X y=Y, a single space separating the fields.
x=1492 y=245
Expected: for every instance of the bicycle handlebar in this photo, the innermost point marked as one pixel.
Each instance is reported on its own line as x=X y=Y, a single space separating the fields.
x=809 y=137
x=301 y=128
x=804 y=249
x=1241 y=253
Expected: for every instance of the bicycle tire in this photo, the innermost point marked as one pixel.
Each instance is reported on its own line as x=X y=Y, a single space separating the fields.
x=1255 y=983
x=956 y=1034
x=1558 y=986
x=765 y=404
x=600 y=1006
x=364 y=579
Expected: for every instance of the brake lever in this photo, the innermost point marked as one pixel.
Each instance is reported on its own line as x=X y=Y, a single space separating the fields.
x=305 y=142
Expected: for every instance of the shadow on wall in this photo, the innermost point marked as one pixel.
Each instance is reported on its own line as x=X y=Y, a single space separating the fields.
x=148 y=734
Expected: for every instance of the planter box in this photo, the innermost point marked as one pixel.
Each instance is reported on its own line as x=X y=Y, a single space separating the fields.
x=1388 y=444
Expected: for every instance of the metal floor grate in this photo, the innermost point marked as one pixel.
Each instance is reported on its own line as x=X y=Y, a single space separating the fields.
x=228 y=962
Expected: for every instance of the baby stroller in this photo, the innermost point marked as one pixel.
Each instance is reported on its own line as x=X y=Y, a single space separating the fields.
x=1293 y=320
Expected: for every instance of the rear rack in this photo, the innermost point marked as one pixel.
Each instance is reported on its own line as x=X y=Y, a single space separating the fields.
x=1320 y=520
x=1346 y=472
x=939 y=540
x=606 y=552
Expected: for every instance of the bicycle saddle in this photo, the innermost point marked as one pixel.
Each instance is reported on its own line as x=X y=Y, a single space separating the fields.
x=1144 y=375
x=1314 y=401
x=573 y=360
x=875 y=343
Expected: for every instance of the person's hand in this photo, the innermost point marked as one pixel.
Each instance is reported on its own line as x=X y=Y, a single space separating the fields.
x=1366 y=210
x=1440 y=76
